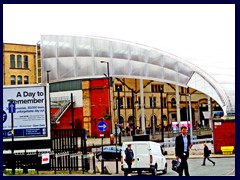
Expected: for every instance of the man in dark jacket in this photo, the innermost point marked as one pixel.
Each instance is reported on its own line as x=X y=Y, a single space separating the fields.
x=182 y=146
x=129 y=157
x=206 y=155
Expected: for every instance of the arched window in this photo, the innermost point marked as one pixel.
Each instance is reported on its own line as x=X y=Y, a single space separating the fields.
x=25 y=64
x=26 y=80
x=19 y=79
x=173 y=102
x=19 y=61
x=145 y=119
x=12 y=61
x=13 y=80
x=155 y=121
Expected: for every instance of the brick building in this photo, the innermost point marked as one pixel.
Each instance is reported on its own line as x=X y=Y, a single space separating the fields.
x=19 y=64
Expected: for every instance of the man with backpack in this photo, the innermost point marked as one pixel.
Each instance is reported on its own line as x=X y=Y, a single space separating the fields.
x=206 y=155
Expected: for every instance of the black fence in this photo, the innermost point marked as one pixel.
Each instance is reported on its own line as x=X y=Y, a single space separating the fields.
x=64 y=153
x=64 y=161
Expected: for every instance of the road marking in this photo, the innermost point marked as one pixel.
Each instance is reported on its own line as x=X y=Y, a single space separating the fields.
x=230 y=173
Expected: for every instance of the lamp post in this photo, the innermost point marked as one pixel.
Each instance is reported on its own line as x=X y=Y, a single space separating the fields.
x=161 y=91
x=48 y=71
x=118 y=108
x=102 y=160
x=12 y=110
x=133 y=112
x=116 y=149
x=109 y=95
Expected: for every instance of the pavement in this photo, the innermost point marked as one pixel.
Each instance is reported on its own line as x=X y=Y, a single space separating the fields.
x=195 y=153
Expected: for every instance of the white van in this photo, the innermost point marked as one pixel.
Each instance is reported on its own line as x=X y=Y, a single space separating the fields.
x=148 y=157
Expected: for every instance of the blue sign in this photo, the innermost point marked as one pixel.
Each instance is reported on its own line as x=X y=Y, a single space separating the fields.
x=102 y=126
x=4 y=116
x=11 y=107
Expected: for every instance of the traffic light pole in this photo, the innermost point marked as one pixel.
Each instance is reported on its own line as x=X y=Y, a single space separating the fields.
x=13 y=158
x=119 y=104
x=161 y=91
x=116 y=149
x=102 y=162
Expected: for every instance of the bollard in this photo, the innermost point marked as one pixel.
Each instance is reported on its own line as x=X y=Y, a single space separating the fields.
x=37 y=161
x=94 y=167
x=25 y=168
x=111 y=138
x=69 y=164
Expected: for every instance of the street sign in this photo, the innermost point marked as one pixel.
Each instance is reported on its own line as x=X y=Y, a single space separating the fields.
x=11 y=107
x=4 y=116
x=102 y=126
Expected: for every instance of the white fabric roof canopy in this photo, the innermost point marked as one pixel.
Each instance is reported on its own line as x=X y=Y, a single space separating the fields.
x=70 y=57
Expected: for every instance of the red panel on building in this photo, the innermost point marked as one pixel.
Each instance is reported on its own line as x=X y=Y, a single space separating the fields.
x=66 y=119
x=224 y=134
x=99 y=105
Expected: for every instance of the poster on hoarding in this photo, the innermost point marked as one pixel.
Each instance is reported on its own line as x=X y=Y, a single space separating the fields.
x=30 y=118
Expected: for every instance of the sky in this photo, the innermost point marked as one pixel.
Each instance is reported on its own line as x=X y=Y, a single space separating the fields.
x=201 y=33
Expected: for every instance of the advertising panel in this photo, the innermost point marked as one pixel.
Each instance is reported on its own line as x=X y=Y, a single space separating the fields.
x=31 y=116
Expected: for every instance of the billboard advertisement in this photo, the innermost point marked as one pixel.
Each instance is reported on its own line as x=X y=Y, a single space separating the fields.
x=30 y=117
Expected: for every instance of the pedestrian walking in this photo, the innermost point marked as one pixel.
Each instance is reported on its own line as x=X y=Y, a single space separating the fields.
x=206 y=155
x=182 y=147
x=129 y=158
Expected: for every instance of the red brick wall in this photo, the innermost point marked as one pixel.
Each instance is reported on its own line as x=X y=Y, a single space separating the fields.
x=224 y=135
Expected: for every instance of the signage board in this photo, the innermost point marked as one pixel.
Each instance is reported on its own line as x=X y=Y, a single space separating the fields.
x=31 y=112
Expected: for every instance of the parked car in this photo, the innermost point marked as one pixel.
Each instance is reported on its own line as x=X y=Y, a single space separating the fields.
x=109 y=152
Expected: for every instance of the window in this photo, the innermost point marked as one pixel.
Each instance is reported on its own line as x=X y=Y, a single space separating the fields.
x=153 y=102
x=173 y=102
x=129 y=102
x=174 y=117
x=182 y=90
x=121 y=102
x=25 y=62
x=12 y=61
x=164 y=103
x=139 y=102
x=13 y=80
x=19 y=79
x=118 y=86
x=19 y=61
x=157 y=88
x=26 y=80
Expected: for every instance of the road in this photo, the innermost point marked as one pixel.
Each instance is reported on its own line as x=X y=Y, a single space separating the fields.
x=223 y=167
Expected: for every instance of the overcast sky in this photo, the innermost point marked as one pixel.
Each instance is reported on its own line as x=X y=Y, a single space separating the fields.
x=204 y=34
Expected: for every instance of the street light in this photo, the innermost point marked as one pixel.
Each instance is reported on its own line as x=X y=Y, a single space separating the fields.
x=48 y=71
x=133 y=112
x=11 y=101
x=161 y=91
x=102 y=136
x=109 y=96
x=118 y=108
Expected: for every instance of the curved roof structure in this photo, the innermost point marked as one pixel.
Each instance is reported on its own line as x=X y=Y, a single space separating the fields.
x=70 y=57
